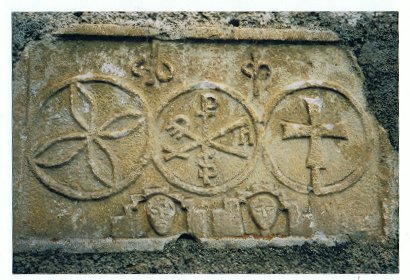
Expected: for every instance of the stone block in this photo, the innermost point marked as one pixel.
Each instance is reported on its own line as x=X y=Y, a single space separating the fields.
x=126 y=138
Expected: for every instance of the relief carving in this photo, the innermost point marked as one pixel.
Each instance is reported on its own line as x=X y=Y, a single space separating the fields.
x=199 y=128
x=153 y=69
x=297 y=156
x=259 y=72
x=161 y=213
x=227 y=221
x=130 y=225
x=199 y=221
x=315 y=131
x=158 y=212
x=92 y=139
x=325 y=135
x=264 y=209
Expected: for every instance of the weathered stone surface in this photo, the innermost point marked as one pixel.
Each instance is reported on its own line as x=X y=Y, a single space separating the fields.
x=126 y=138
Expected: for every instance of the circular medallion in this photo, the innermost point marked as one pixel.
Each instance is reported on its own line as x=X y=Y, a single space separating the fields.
x=89 y=137
x=318 y=138
x=206 y=139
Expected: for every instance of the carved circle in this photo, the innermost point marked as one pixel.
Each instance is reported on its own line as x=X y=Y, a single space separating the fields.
x=185 y=136
x=89 y=136
x=344 y=158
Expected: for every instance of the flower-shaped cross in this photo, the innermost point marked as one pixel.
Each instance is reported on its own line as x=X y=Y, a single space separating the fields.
x=61 y=150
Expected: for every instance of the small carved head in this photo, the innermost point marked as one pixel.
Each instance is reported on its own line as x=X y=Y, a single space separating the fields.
x=264 y=209
x=161 y=213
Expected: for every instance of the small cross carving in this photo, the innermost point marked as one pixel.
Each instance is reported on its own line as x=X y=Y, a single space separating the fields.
x=315 y=130
x=258 y=72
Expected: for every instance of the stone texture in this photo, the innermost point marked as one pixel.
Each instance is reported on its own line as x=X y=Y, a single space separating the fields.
x=126 y=144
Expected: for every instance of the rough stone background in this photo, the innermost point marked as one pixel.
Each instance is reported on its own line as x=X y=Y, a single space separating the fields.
x=373 y=38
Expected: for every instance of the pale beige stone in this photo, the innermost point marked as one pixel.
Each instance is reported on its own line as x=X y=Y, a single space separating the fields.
x=126 y=138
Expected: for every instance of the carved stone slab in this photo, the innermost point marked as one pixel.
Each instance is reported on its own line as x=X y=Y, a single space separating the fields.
x=126 y=138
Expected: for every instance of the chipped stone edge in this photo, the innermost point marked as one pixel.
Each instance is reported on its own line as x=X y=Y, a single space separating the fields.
x=110 y=245
x=203 y=32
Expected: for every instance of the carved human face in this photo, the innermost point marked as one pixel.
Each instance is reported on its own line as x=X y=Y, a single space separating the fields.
x=161 y=213
x=264 y=209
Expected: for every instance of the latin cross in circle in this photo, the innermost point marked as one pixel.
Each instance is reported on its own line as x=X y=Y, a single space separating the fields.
x=315 y=130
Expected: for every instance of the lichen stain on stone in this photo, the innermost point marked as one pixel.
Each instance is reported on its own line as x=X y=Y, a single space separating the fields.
x=110 y=68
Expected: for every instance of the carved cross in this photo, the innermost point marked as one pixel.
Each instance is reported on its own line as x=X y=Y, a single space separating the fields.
x=258 y=72
x=315 y=130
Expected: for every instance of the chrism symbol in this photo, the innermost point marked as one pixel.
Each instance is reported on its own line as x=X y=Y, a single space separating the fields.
x=207 y=139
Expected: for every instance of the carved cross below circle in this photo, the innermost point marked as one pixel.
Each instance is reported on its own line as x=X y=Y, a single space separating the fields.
x=315 y=130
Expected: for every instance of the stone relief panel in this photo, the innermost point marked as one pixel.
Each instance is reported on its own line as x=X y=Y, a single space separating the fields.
x=206 y=134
